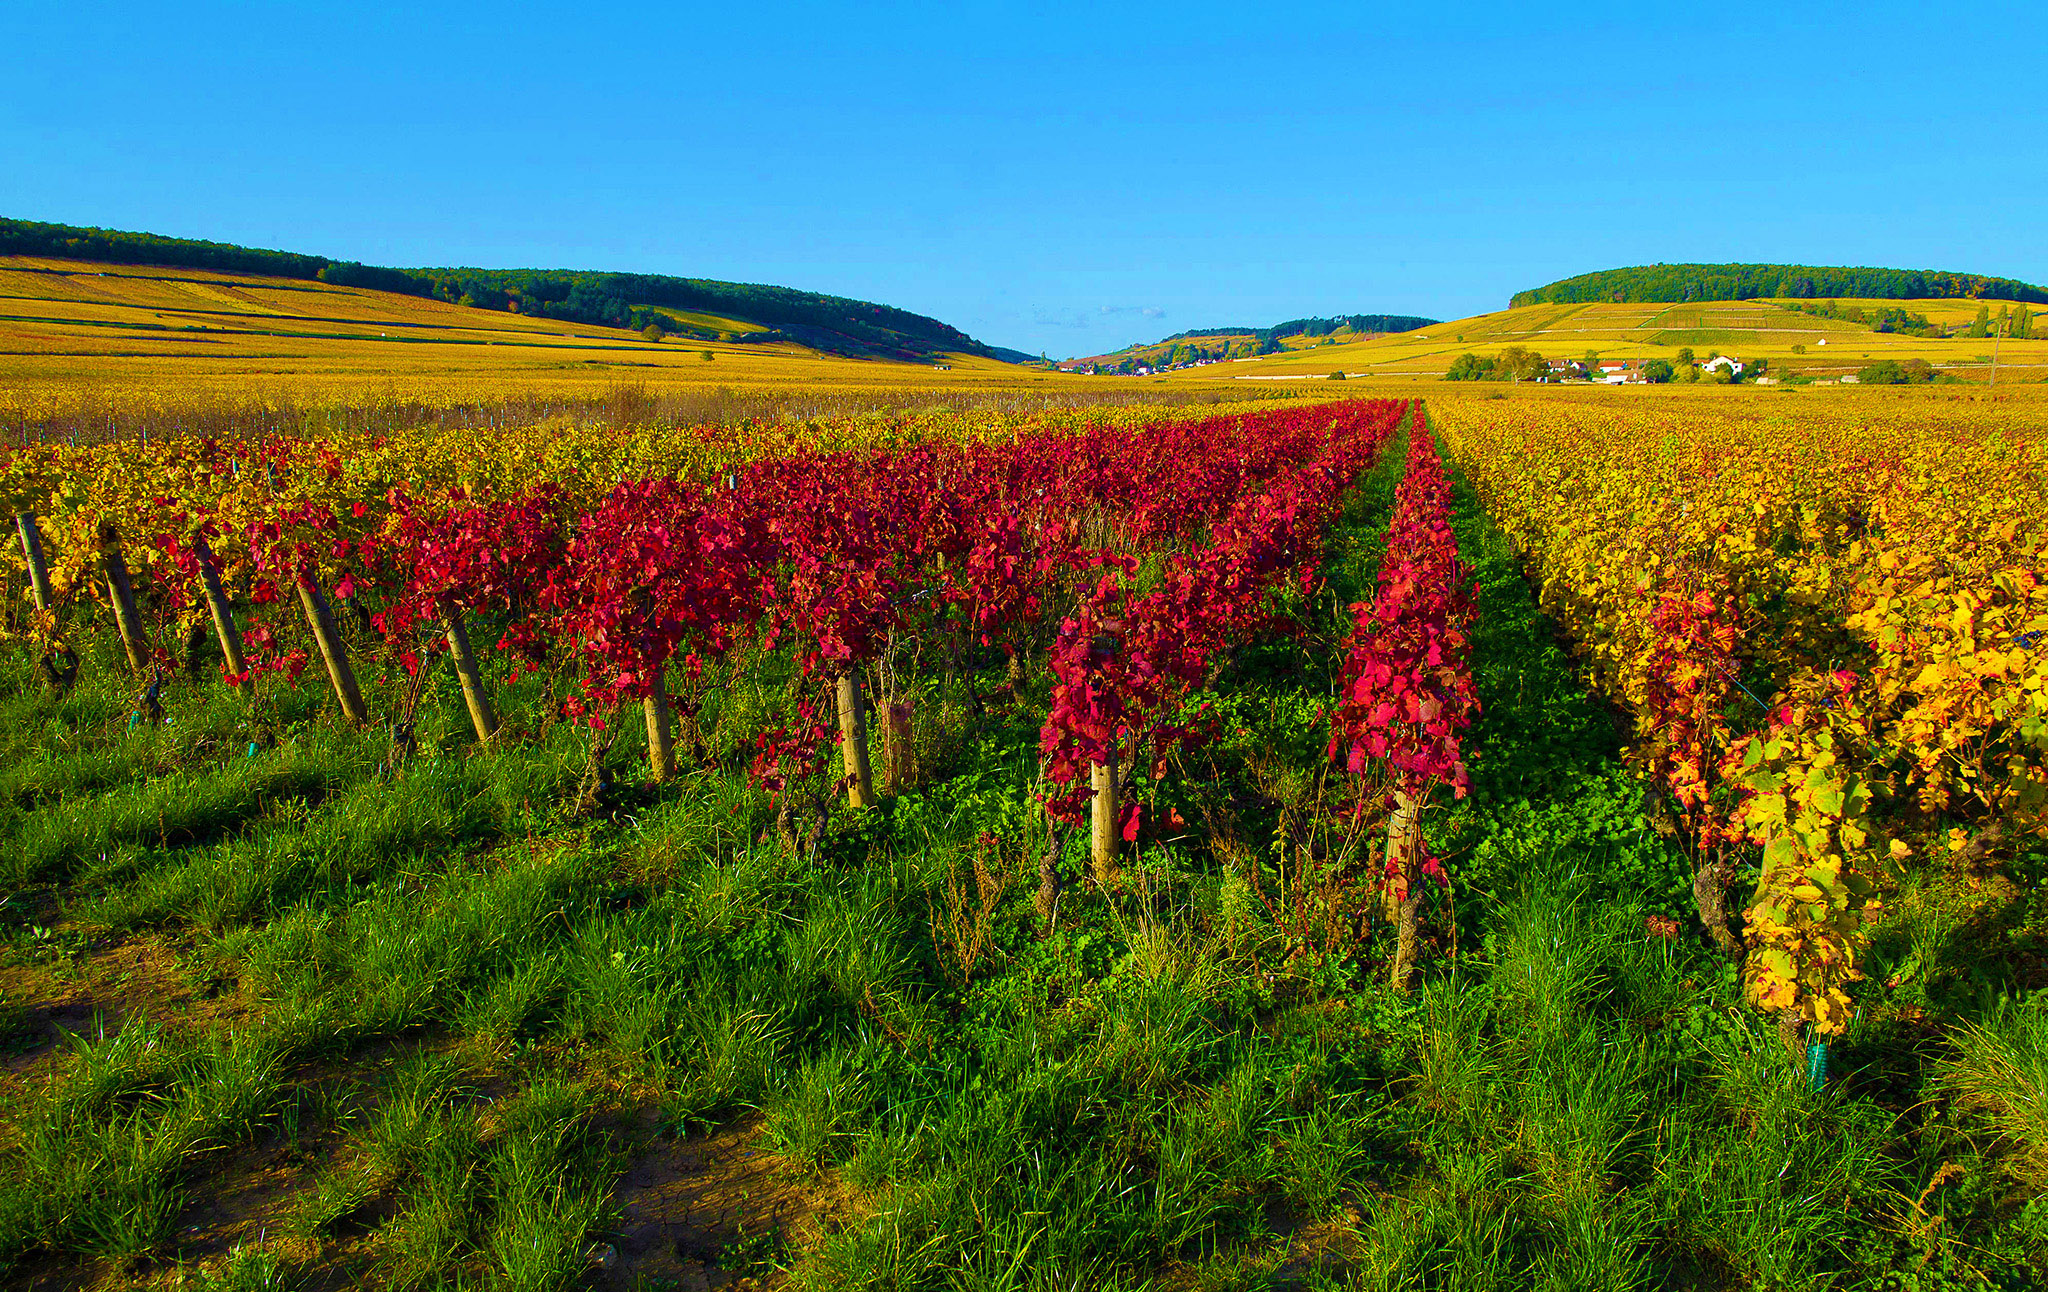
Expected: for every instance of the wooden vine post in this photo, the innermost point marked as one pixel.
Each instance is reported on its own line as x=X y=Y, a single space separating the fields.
x=320 y=618
x=121 y=592
x=223 y=617
x=853 y=743
x=481 y=715
x=1404 y=891
x=899 y=761
x=32 y=548
x=661 y=739
x=1103 y=828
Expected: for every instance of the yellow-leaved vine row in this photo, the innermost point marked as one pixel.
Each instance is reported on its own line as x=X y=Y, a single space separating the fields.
x=1828 y=616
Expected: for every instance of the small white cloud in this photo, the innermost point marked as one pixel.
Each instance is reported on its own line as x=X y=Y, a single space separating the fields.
x=1082 y=318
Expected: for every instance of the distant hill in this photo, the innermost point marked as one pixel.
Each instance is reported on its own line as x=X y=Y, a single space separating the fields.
x=1686 y=283
x=698 y=308
x=1376 y=323
x=1197 y=345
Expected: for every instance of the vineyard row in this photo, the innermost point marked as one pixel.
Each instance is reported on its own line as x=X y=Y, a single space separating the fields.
x=1833 y=636
x=1136 y=552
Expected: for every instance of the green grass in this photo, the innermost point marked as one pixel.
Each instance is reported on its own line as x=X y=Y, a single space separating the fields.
x=452 y=1017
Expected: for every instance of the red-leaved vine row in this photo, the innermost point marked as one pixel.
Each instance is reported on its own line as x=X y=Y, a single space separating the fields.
x=1406 y=689
x=830 y=556
x=1125 y=662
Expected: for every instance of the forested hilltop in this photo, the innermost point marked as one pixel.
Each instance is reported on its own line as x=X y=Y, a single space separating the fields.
x=1750 y=282
x=831 y=323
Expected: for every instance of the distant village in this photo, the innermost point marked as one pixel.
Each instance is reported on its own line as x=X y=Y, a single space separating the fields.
x=1612 y=372
x=1129 y=368
x=1628 y=372
x=1518 y=363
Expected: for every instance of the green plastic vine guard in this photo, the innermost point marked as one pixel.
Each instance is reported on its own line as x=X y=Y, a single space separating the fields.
x=1816 y=1064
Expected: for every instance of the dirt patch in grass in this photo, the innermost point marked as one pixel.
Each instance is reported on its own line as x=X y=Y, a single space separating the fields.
x=690 y=1208
x=1305 y=1255
x=1328 y=1248
x=114 y=979
x=243 y=1198
x=41 y=1272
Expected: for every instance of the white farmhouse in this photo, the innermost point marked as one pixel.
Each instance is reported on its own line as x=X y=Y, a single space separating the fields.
x=1734 y=366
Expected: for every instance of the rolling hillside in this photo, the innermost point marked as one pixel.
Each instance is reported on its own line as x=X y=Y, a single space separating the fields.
x=1792 y=341
x=126 y=334
x=696 y=308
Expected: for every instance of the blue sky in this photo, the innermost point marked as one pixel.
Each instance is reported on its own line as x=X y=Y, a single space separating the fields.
x=1066 y=179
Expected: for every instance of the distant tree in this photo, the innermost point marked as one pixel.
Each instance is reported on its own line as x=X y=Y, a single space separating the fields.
x=1917 y=370
x=1885 y=372
x=1469 y=367
x=1519 y=363
x=1591 y=359
x=2022 y=323
x=1798 y=348
x=1685 y=356
x=1337 y=375
x=654 y=332
x=1658 y=371
x=1981 y=327
x=728 y=337
x=706 y=355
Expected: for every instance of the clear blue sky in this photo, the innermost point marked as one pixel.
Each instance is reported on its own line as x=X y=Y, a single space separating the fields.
x=1052 y=178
